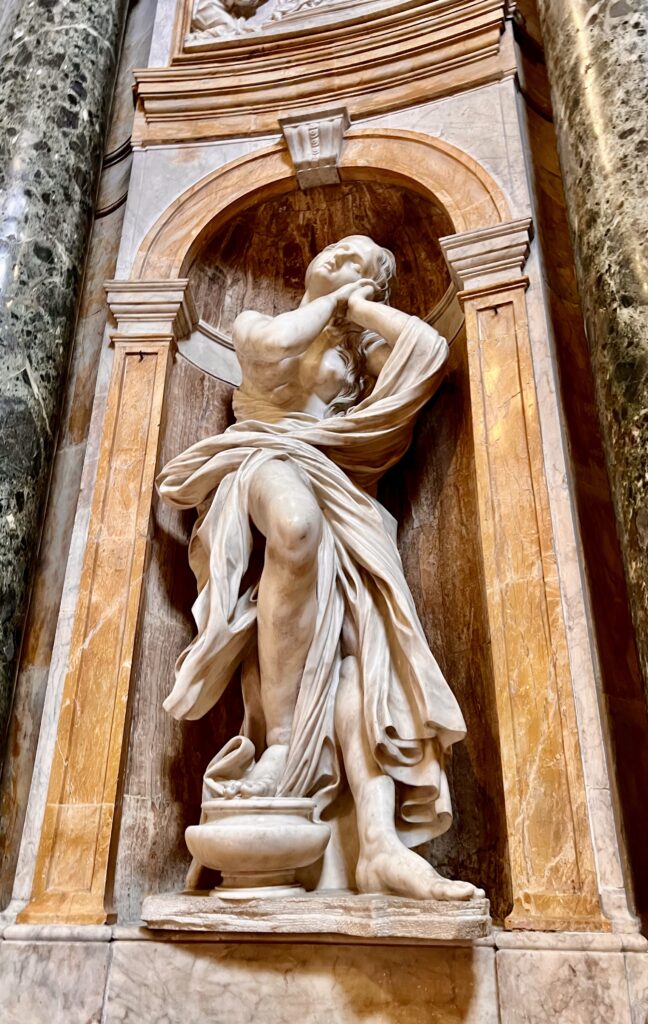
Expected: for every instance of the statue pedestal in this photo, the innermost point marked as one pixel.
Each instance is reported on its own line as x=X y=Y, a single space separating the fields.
x=322 y=913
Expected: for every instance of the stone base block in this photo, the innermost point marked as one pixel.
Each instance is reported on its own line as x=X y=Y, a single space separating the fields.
x=165 y=978
x=53 y=982
x=331 y=913
x=299 y=983
x=568 y=987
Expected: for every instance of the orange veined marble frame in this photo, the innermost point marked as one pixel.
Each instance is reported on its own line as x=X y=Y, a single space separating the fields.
x=551 y=857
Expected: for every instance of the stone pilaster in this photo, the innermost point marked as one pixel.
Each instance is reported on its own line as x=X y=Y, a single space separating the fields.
x=597 y=61
x=551 y=858
x=57 y=67
x=72 y=878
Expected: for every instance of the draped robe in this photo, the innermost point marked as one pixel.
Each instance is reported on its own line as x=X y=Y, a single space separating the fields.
x=409 y=712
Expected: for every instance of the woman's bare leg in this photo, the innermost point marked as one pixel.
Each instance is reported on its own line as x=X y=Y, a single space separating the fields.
x=284 y=509
x=385 y=865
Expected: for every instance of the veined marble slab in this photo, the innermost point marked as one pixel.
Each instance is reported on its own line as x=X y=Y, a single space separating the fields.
x=299 y=983
x=52 y=982
x=331 y=913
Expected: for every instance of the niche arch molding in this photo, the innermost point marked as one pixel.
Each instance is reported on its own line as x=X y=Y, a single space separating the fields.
x=433 y=168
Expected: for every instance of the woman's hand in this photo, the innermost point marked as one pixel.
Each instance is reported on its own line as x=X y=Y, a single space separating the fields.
x=347 y=293
x=364 y=292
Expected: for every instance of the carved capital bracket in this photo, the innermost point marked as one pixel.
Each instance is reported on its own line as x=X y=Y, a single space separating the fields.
x=315 y=143
x=486 y=257
x=151 y=308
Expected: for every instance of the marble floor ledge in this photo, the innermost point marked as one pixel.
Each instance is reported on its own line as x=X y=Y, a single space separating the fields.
x=498 y=939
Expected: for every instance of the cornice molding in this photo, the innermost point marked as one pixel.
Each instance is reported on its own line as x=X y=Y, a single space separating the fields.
x=479 y=259
x=147 y=308
x=389 y=59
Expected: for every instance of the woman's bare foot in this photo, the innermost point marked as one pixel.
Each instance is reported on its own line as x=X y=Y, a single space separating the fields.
x=387 y=866
x=264 y=778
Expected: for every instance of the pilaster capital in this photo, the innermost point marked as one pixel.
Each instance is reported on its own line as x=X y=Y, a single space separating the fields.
x=145 y=309
x=488 y=256
x=315 y=142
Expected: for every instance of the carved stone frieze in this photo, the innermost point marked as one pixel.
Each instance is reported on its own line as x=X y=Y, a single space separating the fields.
x=216 y=20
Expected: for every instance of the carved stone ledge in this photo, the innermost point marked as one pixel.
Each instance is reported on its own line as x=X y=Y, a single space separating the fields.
x=315 y=143
x=482 y=258
x=327 y=913
x=152 y=307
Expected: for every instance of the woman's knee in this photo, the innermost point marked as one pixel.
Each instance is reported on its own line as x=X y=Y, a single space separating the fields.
x=295 y=532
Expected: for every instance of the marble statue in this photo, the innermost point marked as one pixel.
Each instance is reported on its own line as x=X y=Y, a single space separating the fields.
x=222 y=19
x=338 y=682
x=227 y=19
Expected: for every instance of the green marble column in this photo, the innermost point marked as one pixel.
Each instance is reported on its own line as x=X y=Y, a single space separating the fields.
x=597 y=59
x=57 y=66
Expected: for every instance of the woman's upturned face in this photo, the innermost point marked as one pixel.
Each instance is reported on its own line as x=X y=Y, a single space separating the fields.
x=344 y=262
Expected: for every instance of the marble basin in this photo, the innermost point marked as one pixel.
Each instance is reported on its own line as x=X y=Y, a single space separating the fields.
x=258 y=844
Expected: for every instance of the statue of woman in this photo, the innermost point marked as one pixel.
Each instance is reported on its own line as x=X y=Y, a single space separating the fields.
x=335 y=667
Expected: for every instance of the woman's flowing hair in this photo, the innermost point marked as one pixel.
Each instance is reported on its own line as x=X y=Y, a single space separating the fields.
x=355 y=341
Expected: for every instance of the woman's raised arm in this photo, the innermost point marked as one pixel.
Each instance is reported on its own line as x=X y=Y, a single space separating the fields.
x=289 y=334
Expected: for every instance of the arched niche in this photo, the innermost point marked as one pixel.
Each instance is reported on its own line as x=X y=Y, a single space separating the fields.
x=435 y=169
x=258 y=258
x=223 y=234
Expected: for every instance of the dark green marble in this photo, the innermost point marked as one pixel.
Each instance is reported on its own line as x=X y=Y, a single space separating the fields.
x=57 y=68
x=597 y=59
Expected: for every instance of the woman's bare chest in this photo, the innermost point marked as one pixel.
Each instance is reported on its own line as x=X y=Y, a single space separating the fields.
x=323 y=370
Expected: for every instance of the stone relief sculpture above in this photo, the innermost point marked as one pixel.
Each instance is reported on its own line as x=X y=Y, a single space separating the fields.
x=214 y=20
x=301 y=588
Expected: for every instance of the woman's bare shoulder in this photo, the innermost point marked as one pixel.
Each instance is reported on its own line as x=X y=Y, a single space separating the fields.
x=247 y=326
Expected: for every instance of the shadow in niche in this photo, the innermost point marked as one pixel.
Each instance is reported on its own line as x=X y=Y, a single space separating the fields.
x=258 y=259
x=432 y=494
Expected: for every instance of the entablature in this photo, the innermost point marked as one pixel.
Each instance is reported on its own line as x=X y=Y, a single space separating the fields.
x=374 y=58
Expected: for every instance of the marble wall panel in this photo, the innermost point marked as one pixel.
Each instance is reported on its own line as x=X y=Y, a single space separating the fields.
x=596 y=59
x=52 y=982
x=56 y=78
x=620 y=677
x=165 y=15
x=142 y=15
x=484 y=123
x=636 y=967
x=35 y=659
x=45 y=601
x=161 y=174
x=155 y=983
x=562 y=987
